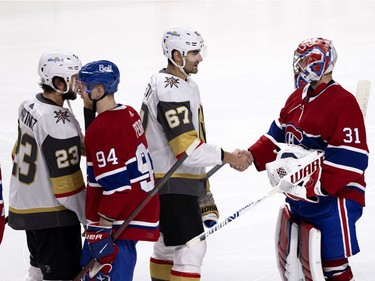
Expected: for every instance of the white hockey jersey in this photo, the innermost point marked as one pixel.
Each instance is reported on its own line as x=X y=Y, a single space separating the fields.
x=173 y=119
x=46 y=188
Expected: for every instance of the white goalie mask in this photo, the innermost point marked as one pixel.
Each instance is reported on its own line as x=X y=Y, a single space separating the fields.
x=293 y=167
x=58 y=63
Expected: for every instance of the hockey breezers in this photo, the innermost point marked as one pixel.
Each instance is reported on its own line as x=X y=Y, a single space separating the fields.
x=143 y=203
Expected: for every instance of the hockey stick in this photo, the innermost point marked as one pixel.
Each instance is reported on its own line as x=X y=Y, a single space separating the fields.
x=229 y=219
x=363 y=94
x=143 y=203
x=214 y=170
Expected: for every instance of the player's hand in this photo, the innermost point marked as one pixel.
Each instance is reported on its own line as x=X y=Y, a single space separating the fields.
x=244 y=160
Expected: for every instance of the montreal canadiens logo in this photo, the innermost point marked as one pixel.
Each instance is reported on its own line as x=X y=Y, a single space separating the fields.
x=293 y=135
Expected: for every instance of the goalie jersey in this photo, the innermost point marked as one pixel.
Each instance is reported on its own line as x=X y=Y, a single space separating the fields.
x=120 y=173
x=328 y=119
x=46 y=188
x=173 y=119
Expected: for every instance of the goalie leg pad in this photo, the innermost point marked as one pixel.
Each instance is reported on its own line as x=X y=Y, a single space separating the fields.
x=286 y=238
x=310 y=252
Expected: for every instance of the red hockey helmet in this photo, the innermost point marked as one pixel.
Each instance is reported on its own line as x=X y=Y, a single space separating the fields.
x=312 y=59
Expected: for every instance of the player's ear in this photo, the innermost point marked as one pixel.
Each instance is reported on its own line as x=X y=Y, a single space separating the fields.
x=177 y=57
x=101 y=89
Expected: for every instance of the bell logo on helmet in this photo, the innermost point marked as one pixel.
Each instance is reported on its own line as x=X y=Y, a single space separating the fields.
x=105 y=68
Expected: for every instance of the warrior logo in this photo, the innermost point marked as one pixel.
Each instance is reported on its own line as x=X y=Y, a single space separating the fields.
x=293 y=135
x=171 y=81
x=62 y=116
x=308 y=170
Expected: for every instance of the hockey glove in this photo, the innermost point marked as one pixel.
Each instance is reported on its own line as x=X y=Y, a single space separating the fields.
x=99 y=272
x=297 y=175
x=308 y=190
x=100 y=243
x=209 y=211
x=2 y=221
x=2 y=212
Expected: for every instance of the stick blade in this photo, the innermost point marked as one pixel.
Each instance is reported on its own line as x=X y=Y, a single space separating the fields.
x=362 y=95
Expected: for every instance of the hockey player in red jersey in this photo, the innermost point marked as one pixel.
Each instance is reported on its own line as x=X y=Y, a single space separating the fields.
x=321 y=115
x=173 y=118
x=120 y=175
x=47 y=190
x=2 y=211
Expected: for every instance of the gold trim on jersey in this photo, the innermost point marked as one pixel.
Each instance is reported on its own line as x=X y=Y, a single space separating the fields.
x=180 y=143
x=184 y=176
x=37 y=210
x=67 y=184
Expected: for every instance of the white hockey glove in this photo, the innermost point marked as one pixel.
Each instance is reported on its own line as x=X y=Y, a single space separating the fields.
x=297 y=174
x=209 y=211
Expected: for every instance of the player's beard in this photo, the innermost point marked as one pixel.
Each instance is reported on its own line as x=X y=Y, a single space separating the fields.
x=70 y=95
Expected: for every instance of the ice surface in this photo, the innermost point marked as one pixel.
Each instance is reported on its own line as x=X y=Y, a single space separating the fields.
x=244 y=81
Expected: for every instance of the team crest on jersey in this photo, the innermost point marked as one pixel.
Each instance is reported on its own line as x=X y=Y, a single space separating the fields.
x=293 y=135
x=62 y=116
x=171 y=81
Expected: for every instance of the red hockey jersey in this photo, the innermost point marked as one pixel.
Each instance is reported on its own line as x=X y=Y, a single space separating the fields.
x=329 y=119
x=120 y=173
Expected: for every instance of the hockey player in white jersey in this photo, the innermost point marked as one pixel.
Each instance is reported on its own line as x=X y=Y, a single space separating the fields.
x=47 y=191
x=173 y=118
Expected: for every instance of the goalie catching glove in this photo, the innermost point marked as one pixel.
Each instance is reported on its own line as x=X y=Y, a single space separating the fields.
x=209 y=211
x=99 y=245
x=296 y=172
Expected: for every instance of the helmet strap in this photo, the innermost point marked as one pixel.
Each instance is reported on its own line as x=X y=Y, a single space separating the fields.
x=181 y=67
x=95 y=101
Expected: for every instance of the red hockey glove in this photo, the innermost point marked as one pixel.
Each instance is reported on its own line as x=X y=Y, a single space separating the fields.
x=100 y=243
x=2 y=221
x=99 y=272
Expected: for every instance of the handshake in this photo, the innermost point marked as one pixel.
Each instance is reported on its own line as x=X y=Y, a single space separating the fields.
x=239 y=160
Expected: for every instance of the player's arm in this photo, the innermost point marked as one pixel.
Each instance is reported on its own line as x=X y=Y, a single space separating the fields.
x=264 y=149
x=63 y=160
x=346 y=156
x=177 y=123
